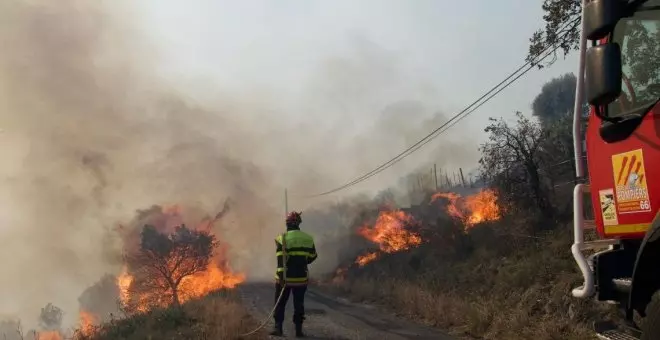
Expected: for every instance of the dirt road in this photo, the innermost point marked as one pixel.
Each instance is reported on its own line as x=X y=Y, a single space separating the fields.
x=336 y=318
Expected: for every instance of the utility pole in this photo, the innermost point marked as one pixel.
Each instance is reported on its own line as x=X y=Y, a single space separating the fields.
x=286 y=202
x=462 y=177
x=435 y=175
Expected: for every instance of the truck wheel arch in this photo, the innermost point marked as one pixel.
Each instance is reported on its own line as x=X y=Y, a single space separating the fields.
x=646 y=274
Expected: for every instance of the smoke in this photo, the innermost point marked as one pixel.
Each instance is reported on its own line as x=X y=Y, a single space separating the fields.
x=91 y=133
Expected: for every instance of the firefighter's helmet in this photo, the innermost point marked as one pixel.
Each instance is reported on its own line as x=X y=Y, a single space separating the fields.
x=293 y=218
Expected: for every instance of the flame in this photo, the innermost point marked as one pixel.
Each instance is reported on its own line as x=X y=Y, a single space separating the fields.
x=217 y=275
x=87 y=323
x=364 y=259
x=124 y=282
x=472 y=209
x=483 y=207
x=390 y=233
x=453 y=208
x=212 y=279
x=49 y=335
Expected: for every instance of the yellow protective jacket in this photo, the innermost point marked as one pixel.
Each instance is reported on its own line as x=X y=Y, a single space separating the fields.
x=300 y=251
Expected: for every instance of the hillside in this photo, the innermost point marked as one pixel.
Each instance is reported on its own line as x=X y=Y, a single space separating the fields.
x=218 y=315
x=495 y=280
x=488 y=262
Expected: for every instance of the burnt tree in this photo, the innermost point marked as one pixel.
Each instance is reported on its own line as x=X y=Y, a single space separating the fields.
x=512 y=160
x=163 y=260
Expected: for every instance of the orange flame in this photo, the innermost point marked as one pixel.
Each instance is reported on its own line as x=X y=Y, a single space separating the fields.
x=453 y=208
x=483 y=207
x=364 y=259
x=472 y=209
x=87 y=323
x=390 y=233
x=49 y=335
x=212 y=279
x=124 y=282
x=217 y=275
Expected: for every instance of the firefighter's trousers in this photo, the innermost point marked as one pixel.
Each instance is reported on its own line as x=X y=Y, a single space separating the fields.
x=298 y=303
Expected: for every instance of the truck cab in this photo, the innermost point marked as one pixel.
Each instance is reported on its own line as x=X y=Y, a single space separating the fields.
x=619 y=78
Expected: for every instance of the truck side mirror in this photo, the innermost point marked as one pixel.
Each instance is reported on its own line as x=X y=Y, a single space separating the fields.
x=603 y=73
x=600 y=17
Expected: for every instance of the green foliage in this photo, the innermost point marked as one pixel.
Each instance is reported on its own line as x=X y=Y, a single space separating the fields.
x=561 y=18
x=556 y=99
x=512 y=159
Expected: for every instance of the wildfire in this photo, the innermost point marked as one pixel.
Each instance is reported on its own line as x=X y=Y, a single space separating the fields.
x=472 y=209
x=212 y=279
x=87 y=323
x=390 y=233
x=49 y=335
x=124 y=282
x=217 y=275
x=364 y=259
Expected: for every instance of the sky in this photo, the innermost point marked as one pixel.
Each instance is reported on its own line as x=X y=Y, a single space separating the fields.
x=111 y=107
x=455 y=49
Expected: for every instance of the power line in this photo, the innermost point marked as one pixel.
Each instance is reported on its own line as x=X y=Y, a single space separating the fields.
x=456 y=118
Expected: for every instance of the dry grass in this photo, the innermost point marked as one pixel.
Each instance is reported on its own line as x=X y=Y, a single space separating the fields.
x=523 y=295
x=217 y=316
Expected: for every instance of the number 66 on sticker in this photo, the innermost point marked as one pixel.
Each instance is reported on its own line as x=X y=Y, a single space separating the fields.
x=644 y=205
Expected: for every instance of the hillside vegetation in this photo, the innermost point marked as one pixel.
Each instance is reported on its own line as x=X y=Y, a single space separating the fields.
x=504 y=277
x=216 y=316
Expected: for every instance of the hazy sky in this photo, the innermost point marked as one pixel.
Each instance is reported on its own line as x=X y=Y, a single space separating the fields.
x=458 y=49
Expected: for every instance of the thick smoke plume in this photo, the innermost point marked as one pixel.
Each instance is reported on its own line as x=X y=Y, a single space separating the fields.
x=90 y=133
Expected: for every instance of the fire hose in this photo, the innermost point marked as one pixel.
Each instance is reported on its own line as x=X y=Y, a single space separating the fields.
x=277 y=302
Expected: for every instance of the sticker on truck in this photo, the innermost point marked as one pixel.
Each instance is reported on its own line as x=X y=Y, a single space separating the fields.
x=632 y=194
x=608 y=207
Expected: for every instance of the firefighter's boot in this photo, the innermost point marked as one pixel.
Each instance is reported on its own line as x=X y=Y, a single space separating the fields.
x=299 y=331
x=277 y=330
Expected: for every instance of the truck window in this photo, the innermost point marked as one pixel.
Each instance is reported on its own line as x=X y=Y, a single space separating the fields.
x=639 y=38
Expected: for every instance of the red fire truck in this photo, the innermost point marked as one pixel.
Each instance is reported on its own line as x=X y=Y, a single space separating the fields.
x=619 y=77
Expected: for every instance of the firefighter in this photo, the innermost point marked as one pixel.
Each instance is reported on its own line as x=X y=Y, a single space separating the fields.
x=299 y=251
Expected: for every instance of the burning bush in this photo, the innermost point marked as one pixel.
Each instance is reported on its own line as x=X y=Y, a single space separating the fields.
x=472 y=209
x=99 y=302
x=164 y=261
x=390 y=232
x=396 y=230
x=172 y=262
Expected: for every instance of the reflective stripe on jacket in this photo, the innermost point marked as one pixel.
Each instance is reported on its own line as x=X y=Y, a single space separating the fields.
x=300 y=252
